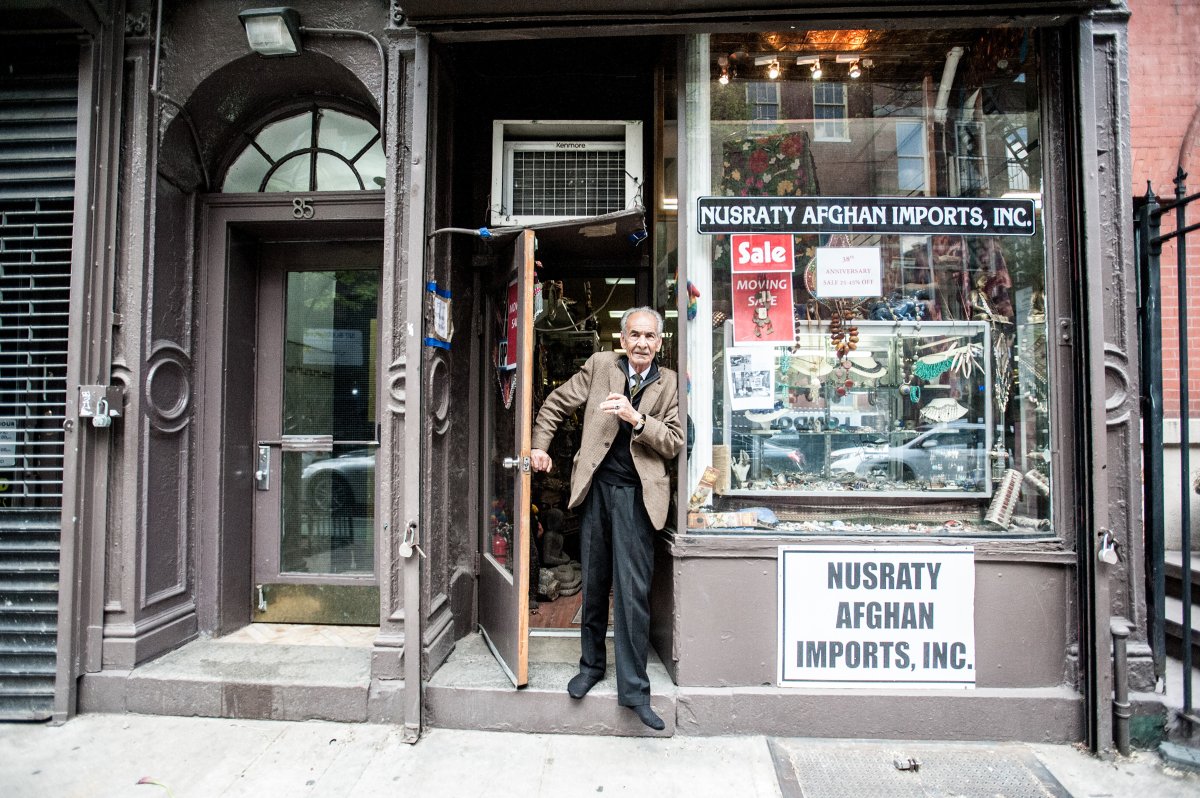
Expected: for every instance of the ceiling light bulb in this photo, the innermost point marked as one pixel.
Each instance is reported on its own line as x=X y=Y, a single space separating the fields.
x=773 y=70
x=816 y=70
x=855 y=70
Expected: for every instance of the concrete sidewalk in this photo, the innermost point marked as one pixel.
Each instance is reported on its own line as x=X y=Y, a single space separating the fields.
x=106 y=756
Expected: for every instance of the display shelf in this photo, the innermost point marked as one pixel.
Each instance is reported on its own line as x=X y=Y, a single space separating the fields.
x=906 y=413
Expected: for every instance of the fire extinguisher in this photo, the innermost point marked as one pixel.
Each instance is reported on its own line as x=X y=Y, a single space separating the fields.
x=499 y=547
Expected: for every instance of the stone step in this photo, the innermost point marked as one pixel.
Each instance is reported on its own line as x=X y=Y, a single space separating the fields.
x=211 y=678
x=1173 y=574
x=1173 y=627
x=471 y=691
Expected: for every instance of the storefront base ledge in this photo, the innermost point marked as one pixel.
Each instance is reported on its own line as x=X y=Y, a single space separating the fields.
x=699 y=544
x=1044 y=715
x=269 y=682
x=126 y=646
x=387 y=658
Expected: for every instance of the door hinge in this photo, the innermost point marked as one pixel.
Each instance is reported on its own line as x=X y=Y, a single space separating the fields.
x=476 y=559
x=1064 y=332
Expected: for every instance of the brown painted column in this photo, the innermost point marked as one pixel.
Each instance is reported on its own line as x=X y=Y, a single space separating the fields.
x=86 y=449
x=398 y=470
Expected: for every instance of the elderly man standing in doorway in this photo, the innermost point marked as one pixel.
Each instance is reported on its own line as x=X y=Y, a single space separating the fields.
x=631 y=433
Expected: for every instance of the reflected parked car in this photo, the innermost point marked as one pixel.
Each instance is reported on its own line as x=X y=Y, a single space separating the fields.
x=959 y=442
x=342 y=483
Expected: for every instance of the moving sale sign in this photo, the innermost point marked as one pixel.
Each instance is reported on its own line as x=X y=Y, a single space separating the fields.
x=877 y=616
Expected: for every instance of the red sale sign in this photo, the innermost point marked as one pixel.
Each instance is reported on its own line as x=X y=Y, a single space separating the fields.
x=763 y=253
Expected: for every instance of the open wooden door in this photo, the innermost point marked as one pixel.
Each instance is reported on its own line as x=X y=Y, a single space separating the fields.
x=508 y=421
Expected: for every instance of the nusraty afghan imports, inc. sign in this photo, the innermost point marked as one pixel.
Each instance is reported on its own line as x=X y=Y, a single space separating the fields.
x=877 y=616
x=866 y=215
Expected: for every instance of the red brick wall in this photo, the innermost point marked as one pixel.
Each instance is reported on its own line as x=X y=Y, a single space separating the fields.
x=1164 y=97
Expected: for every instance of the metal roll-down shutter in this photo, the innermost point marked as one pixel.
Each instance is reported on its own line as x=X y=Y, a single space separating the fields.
x=38 y=110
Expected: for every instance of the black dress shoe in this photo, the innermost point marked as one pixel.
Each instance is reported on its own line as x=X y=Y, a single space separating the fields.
x=649 y=717
x=580 y=684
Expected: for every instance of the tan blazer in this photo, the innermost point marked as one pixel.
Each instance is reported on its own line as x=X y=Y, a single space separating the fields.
x=653 y=448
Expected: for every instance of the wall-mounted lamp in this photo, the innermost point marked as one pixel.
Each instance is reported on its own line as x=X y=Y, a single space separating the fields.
x=723 y=62
x=814 y=65
x=276 y=32
x=272 y=31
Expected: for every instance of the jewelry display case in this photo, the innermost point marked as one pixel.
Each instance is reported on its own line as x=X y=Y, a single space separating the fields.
x=885 y=408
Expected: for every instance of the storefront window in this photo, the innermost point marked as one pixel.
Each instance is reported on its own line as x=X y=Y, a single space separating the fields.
x=869 y=349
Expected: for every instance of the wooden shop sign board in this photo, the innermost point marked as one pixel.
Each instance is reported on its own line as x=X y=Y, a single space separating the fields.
x=870 y=215
x=876 y=616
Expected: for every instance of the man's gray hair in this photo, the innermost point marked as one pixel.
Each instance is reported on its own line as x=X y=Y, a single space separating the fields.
x=658 y=319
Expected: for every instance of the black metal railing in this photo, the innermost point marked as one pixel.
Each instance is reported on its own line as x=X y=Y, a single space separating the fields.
x=1149 y=238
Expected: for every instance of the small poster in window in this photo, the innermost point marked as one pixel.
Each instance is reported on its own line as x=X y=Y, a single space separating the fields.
x=849 y=272
x=324 y=346
x=751 y=378
x=762 y=309
x=508 y=341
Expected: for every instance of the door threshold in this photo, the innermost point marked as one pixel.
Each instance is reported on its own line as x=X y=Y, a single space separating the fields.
x=303 y=634
x=550 y=632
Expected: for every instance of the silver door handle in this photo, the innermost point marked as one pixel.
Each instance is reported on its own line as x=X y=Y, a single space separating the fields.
x=513 y=462
x=262 y=476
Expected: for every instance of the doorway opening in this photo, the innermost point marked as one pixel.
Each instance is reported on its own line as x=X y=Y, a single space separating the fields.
x=580 y=314
x=316 y=434
x=560 y=137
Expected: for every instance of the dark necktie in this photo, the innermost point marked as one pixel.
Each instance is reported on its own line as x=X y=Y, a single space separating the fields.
x=637 y=385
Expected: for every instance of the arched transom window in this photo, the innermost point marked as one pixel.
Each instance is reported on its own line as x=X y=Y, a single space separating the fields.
x=316 y=150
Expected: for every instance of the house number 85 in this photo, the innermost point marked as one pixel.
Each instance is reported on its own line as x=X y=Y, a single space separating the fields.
x=302 y=208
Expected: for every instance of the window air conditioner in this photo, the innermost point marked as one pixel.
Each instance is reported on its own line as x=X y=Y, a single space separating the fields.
x=547 y=171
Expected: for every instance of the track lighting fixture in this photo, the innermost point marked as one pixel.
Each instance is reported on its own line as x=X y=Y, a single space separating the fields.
x=772 y=64
x=814 y=65
x=856 y=65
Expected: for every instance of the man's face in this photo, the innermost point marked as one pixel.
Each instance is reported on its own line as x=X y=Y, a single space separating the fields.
x=641 y=340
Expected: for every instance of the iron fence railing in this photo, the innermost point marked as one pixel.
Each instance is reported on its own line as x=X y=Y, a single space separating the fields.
x=1148 y=216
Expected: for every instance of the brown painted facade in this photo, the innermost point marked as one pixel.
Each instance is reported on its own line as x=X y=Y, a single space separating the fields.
x=158 y=510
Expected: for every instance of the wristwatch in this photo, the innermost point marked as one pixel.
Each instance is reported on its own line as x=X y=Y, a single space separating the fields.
x=641 y=425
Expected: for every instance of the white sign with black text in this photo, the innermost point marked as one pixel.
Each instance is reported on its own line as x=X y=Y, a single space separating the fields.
x=8 y=442
x=848 y=272
x=876 y=616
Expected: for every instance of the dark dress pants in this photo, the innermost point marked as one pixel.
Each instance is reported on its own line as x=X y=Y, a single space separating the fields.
x=617 y=541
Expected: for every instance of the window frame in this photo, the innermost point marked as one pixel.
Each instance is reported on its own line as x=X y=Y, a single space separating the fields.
x=843 y=121
x=313 y=151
